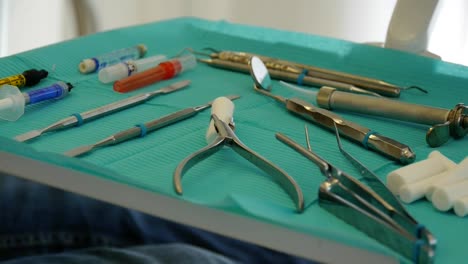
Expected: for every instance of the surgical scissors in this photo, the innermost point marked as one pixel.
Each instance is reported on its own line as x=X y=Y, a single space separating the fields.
x=221 y=133
x=381 y=217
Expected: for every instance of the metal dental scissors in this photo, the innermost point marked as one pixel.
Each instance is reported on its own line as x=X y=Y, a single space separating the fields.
x=382 y=217
x=225 y=136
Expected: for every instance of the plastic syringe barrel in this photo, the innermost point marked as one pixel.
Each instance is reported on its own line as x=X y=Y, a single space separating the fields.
x=125 y=69
x=55 y=91
x=97 y=63
x=163 y=71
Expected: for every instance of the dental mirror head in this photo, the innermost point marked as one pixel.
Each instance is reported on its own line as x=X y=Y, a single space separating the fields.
x=259 y=73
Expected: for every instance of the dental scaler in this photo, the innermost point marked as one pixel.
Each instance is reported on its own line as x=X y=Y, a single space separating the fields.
x=13 y=102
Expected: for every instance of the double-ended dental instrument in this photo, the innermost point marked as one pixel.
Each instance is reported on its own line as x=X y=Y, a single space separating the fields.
x=366 y=137
x=80 y=118
x=303 y=74
x=141 y=130
x=220 y=133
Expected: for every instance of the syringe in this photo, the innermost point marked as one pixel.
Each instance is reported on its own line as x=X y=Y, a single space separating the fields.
x=27 y=78
x=125 y=69
x=97 y=63
x=163 y=71
x=12 y=101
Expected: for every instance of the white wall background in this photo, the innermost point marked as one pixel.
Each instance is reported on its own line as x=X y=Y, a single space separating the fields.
x=27 y=24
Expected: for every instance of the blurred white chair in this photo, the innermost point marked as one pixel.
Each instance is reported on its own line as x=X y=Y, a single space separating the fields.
x=402 y=24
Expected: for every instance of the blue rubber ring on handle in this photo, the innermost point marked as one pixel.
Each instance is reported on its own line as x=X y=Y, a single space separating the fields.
x=300 y=78
x=79 y=118
x=365 y=141
x=143 y=129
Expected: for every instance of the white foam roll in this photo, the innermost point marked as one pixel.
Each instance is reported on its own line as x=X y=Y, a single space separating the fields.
x=455 y=174
x=434 y=164
x=444 y=197
x=460 y=206
x=223 y=108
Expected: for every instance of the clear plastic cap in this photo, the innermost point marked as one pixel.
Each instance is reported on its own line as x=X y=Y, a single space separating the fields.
x=122 y=70
x=187 y=62
x=11 y=103
x=148 y=63
x=113 y=73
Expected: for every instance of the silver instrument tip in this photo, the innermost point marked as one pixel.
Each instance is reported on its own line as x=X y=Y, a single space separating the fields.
x=79 y=151
x=175 y=86
x=233 y=97
x=28 y=136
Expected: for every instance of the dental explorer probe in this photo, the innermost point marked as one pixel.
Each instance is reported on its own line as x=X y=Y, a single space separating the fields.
x=142 y=129
x=291 y=76
x=310 y=75
x=79 y=119
x=444 y=122
x=368 y=138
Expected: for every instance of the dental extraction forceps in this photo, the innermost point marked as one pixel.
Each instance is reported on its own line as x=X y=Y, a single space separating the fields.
x=225 y=136
x=381 y=216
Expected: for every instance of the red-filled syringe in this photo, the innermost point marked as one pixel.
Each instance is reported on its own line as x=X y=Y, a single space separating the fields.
x=165 y=70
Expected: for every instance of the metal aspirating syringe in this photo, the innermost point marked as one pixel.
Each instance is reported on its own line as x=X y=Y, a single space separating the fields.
x=444 y=122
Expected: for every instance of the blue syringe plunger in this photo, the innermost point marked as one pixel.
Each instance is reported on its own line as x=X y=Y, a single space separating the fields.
x=12 y=101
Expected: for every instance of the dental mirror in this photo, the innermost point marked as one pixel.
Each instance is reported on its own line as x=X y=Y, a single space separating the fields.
x=262 y=80
x=259 y=73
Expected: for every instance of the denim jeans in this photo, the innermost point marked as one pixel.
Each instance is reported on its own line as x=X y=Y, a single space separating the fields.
x=50 y=225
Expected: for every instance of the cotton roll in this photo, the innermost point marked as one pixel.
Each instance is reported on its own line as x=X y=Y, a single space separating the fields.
x=460 y=206
x=434 y=164
x=223 y=108
x=411 y=192
x=444 y=197
x=455 y=174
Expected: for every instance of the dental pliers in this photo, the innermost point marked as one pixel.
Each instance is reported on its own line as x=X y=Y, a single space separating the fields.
x=220 y=134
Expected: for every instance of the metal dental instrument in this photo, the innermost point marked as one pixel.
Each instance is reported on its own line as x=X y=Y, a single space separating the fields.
x=220 y=134
x=368 y=138
x=142 y=129
x=306 y=74
x=381 y=217
x=288 y=76
x=444 y=122
x=79 y=119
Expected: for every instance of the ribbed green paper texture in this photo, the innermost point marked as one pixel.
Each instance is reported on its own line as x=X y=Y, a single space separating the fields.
x=225 y=180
